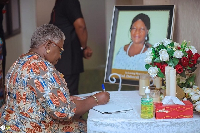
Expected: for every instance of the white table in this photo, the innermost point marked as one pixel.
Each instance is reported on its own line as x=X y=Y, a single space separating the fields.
x=130 y=121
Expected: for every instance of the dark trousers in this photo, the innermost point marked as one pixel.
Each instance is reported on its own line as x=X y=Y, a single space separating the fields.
x=72 y=83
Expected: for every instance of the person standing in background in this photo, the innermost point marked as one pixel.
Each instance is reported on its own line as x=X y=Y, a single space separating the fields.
x=67 y=16
x=2 y=48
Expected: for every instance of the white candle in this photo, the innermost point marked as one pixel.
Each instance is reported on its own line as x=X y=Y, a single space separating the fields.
x=167 y=79
x=157 y=82
x=172 y=89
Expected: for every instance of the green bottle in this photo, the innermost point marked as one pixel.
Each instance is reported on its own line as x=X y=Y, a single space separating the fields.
x=147 y=105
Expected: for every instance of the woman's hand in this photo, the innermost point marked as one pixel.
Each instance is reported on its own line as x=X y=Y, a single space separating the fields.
x=102 y=97
x=82 y=106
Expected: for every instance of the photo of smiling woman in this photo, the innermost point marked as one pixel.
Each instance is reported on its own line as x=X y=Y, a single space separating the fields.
x=131 y=56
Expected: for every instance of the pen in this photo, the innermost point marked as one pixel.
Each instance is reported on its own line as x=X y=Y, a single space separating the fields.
x=103 y=87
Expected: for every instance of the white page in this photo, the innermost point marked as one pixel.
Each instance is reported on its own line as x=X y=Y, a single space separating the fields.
x=114 y=105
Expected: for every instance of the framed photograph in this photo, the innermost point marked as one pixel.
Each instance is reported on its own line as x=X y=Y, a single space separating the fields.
x=134 y=30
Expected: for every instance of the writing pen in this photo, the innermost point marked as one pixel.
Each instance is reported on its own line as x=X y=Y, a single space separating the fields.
x=103 y=87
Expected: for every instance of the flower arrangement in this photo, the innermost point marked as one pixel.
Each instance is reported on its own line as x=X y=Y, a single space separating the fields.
x=193 y=94
x=182 y=57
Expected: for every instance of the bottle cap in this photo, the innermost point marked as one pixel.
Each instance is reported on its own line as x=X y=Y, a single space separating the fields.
x=147 y=90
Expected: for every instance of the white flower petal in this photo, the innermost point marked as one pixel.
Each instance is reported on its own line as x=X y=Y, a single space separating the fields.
x=195 y=97
x=148 y=60
x=178 y=54
x=164 y=56
x=153 y=71
x=198 y=108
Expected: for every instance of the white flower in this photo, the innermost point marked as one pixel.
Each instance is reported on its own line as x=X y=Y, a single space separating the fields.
x=164 y=56
x=192 y=93
x=148 y=60
x=149 y=52
x=193 y=49
x=178 y=54
x=198 y=108
x=195 y=90
x=153 y=71
x=195 y=97
x=166 y=41
x=187 y=49
x=188 y=90
x=198 y=102
x=176 y=45
x=156 y=44
x=195 y=87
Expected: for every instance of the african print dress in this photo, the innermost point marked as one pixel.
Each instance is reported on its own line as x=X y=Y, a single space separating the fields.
x=38 y=99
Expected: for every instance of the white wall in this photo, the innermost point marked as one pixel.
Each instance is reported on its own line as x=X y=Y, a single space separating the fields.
x=187 y=25
x=20 y=43
x=94 y=15
x=43 y=11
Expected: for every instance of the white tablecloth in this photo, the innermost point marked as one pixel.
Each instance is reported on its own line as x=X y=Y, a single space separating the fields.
x=130 y=121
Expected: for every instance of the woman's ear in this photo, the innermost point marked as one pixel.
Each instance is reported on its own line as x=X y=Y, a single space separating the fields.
x=47 y=46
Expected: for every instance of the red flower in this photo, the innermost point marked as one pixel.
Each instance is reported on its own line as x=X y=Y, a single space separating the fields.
x=157 y=64
x=191 y=64
x=194 y=62
x=196 y=56
x=162 y=68
x=190 y=54
x=184 y=61
x=179 y=68
x=178 y=48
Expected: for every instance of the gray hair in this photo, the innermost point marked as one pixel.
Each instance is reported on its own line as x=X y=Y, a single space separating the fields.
x=44 y=33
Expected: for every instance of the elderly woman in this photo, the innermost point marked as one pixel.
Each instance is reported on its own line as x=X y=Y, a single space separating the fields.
x=38 y=99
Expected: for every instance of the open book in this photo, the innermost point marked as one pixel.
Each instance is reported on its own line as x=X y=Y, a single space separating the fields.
x=113 y=106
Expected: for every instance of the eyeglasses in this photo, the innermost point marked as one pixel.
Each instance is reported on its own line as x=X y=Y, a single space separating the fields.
x=61 y=49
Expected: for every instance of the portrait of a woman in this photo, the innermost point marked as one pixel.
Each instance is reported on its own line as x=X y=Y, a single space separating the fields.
x=131 y=56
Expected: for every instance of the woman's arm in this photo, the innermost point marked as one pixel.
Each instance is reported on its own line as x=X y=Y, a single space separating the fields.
x=54 y=97
x=82 y=106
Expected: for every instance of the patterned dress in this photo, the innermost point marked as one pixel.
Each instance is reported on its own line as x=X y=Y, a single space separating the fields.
x=37 y=99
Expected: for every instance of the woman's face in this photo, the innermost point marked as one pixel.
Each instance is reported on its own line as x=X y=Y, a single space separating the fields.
x=138 y=32
x=55 y=52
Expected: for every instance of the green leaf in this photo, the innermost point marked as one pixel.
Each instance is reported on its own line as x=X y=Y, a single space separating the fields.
x=171 y=44
x=184 y=53
x=157 y=60
x=162 y=47
x=170 y=63
x=160 y=74
x=175 y=61
x=147 y=66
x=170 y=52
